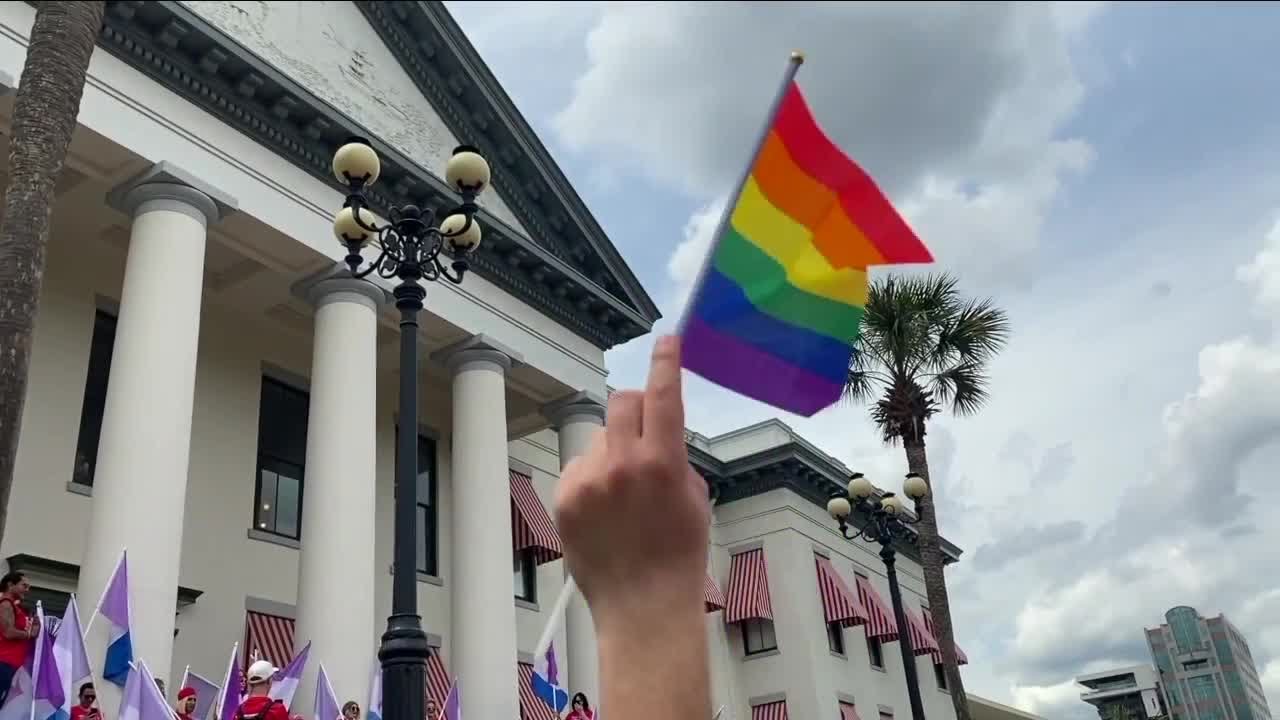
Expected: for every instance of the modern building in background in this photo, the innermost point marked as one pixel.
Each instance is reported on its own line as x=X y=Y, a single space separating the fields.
x=1130 y=693
x=1205 y=668
x=208 y=392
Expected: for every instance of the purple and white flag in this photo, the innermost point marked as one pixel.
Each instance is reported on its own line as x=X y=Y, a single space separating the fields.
x=286 y=680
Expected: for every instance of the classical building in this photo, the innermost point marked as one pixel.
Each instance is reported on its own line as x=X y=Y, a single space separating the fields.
x=210 y=394
x=1206 y=669
x=810 y=629
x=1128 y=693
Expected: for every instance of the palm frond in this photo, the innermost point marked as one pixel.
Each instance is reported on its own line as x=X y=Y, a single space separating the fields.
x=919 y=333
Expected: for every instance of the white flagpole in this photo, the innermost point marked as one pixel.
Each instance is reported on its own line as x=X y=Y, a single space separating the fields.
x=557 y=615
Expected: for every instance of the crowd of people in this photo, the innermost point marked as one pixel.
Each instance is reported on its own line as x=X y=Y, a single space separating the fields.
x=639 y=571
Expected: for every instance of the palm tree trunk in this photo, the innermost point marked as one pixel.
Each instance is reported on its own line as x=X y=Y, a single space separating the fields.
x=44 y=117
x=935 y=582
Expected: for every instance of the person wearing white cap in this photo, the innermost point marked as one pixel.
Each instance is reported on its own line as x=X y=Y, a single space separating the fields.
x=259 y=705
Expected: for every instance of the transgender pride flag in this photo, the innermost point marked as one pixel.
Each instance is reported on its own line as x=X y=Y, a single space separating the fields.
x=115 y=607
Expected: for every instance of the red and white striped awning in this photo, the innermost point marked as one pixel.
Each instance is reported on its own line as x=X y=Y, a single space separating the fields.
x=847 y=712
x=438 y=681
x=839 y=605
x=267 y=637
x=922 y=641
x=531 y=708
x=748 y=596
x=531 y=526
x=880 y=623
x=770 y=711
x=711 y=594
x=961 y=658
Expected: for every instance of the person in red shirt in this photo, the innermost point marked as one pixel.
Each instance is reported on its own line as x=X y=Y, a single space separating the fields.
x=259 y=705
x=186 y=703
x=85 y=709
x=17 y=629
x=581 y=708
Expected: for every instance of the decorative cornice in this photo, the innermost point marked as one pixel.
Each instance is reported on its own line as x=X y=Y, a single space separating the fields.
x=70 y=572
x=435 y=52
x=175 y=47
x=793 y=466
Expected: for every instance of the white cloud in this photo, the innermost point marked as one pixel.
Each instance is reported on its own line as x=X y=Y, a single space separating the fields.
x=691 y=253
x=1262 y=274
x=963 y=130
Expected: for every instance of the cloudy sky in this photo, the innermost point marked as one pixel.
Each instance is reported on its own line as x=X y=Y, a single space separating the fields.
x=1110 y=174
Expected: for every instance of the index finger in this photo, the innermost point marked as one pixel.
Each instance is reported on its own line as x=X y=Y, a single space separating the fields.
x=663 y=397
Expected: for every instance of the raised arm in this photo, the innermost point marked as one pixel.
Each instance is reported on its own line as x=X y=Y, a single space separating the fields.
x=635 y=522
x=9 y=624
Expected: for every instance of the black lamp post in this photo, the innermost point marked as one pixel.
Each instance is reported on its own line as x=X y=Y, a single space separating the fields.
x=887 y=520
x=410 y=249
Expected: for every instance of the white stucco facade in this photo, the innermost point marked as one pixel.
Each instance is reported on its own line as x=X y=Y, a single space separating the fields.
x=228 y=281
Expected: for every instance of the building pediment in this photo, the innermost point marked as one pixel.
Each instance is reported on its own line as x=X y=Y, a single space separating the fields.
x=541 y=243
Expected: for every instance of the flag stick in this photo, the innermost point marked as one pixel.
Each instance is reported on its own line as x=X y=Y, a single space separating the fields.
x=557 y=613
x=98 y=607
x=793 y=64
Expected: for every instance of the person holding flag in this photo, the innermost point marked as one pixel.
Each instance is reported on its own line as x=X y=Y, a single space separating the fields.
x=260 y=705
x=187 y=700
x=87 y=708
x=17 y=630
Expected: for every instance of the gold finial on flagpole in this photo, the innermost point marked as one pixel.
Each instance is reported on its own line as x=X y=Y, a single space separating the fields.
x=797 y=57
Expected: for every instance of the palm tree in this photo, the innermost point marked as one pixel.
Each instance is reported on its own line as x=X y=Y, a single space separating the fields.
x=44 y=117
x=924 y=348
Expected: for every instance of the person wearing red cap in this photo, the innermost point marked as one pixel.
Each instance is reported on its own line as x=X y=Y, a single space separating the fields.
x=186 y=703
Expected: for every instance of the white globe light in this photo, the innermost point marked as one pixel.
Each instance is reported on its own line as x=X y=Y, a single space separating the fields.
x=860 y=488
x=460 y=236
x=346 y=229
x=467 y=170
x=839 y=508
x=356 y=161
x=915 y=487
x=892 y=504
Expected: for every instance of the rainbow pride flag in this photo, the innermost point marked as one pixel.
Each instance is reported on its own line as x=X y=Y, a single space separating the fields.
x=780 y=297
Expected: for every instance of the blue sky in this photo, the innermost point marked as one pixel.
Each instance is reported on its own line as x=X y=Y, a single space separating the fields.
x=1108 y=173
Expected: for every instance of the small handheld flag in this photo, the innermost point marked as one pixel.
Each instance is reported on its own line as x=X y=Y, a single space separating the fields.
x=375 y=692
x=141 y=698
x=72 y=655
x=115 y=607
x=286 y=681
x=780 y=296
x=49 y=698
x=232 y=685
x=326 y=705
x=452 y=709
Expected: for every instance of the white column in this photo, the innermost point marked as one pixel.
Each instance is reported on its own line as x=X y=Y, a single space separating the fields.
x=140 y=483
x=577 y=419
x=336 y=568
x=483 y=645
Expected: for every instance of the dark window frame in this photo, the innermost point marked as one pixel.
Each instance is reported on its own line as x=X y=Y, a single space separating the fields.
x=528 y=570
x=94 y=397
x=940 y=677
x=274 y=461
x=875 y=653
x=835 y=638
x=428 y=458
x=757 y=625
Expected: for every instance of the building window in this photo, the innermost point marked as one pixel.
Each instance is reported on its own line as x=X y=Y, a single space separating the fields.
x=525 y=576
x=886 y=715
x=835 y=638
x=427 y=517
x=95 y=397
x=282 y=453
x=758 y=637
x=875 y=653
x=940 y=676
